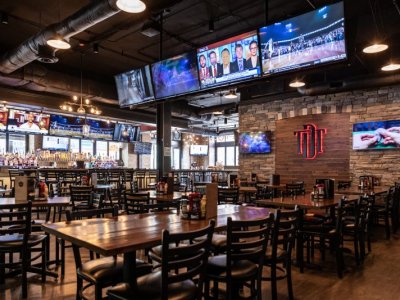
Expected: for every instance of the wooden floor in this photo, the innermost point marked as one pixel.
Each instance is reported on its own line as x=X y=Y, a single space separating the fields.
x=378 y=278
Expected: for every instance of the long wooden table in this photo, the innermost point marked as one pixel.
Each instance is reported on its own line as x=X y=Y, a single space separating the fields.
x=377 y=190
x=49 y=202
x=128 y=233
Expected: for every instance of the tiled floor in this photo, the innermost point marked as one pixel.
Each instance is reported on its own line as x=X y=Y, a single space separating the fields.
x=378 y=278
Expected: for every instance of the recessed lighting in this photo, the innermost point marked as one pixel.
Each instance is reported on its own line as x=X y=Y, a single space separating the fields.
x=131 y=6
x=375 y=48
x=297 y=84
x=391 y=67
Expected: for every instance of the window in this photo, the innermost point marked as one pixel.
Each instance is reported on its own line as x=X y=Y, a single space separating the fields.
x=101 y=148
x=221 y=155
x=17 y=144
x=3 y=142
x=113 y=150
x=87 y=146
x=230 y=156
x=176 y=158
x=74 y=145
x=227 y=151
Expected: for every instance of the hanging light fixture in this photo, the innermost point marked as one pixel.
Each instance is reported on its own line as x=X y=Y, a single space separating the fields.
x=231 y=95
x=131 y=6
x=297 y=83
x=392 y=66
x=59 y=42
x=375 y=48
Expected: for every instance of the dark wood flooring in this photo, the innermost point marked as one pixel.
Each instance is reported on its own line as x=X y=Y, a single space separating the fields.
x=377 y=278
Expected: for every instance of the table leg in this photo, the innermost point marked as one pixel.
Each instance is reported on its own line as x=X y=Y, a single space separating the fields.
x=130 y=268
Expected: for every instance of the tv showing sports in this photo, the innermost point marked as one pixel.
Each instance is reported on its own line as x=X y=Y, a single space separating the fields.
x=55 y=143
x=307 y=40
x=63 y=125
x=29 y=122
x=175 y=76
x=126 y=133
x=255 y=142
x=142 y=147
x=377 y=135
x=3 y=119
x=198 y=150
x=134 y=87
x=100 y=129
x=230 y=60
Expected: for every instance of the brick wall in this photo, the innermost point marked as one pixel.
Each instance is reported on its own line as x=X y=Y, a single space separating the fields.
x=362 y=105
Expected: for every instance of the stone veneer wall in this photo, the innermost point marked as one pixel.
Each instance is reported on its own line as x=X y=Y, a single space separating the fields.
x=363 y=105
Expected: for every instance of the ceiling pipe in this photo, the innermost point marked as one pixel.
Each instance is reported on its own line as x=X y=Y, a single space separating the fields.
x=93 y=13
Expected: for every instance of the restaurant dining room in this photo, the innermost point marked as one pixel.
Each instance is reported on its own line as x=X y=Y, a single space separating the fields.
x=180 y=150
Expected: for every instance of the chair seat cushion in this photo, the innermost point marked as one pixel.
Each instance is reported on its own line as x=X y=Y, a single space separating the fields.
x=149 y=288
x=242 y=269
x=156 y=252
x=109 y=270
x=16 y=240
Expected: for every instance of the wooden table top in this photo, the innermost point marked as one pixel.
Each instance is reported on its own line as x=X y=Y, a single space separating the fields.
x=129 y=233
x=55 y=201
x=358 y=191
x=303 y=201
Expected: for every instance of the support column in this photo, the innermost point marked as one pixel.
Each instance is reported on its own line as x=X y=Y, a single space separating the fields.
x=163 y=139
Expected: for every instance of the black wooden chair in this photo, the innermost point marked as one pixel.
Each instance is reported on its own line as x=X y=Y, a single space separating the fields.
x=16 y=237
x=81 y=197
x=134 y=202
x=244 y=259
x=295 y=189
x=101 y=272
x=228 y=195
x=182 y=269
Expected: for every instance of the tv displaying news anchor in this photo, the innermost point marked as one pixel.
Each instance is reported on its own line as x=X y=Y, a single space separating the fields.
x=23 y=121
x=229 y=60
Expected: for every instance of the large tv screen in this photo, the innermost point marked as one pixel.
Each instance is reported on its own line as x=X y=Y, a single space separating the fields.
x=230 y=60
x=3 y=119
x=175 y=76
x=310 y=39
x=126 y=133
x=255 y=142
x=134 y=87
x=376 y=135
x=198 y=150
x=30 y=122
x=55 y=143
x=100 y=129
x=63 y=125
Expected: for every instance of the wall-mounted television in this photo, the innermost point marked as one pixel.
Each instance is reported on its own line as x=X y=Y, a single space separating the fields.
x=307 y=40
x=134 y=87
x=126 y=133
x=142 y=147
x=198 y=150
x=3 y=119
x=230 y=60
x=55 y=143
x=255 y=142
x=376 y=135
x=29 y=122
x=100 y=129
x=176 y=75
x=63 y=125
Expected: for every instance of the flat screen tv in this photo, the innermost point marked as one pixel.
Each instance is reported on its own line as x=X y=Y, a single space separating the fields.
x=198 y=150
x=255 y=142
x=307 y=40
x=3 y=119
x=55 y=143
x=63 y=125
x=376 y=135
x=230 y=60
x=134 y=87
x=29 y=122
x=142 y=147
x=175 y=76
x=100 y=129
x=126 y=133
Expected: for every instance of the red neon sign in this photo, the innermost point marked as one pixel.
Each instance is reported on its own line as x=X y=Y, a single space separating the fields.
x=310 y=141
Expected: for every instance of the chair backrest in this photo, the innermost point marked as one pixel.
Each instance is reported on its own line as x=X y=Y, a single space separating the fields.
x=228 y=195
x=187 y=261
x=343 y=184
x=81 y=193
x=135 y=202
x=97 y=200
x=285 y=231
x=295 y=188
x=365 y=205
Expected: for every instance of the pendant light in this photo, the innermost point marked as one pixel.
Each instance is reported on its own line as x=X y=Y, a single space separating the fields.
x=377 y=46
x=131 y=6
x=297 y=83
x=57 y=41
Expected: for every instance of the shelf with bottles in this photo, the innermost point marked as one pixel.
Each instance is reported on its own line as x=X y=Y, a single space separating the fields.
x=18 y=160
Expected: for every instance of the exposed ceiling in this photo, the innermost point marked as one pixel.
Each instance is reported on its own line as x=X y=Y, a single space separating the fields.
x=122 y=46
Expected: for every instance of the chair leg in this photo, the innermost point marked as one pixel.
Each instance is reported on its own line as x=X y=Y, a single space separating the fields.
x=274 y=288
x=289 y=279
x=24 y=271
x=79 y=286
x=44 y=259
x=356 y=252
x=98 y=292
x=62 y=258
x=2 y=270
x=387 y=227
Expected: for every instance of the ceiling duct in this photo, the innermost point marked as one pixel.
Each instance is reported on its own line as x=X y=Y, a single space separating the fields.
x=47 y=55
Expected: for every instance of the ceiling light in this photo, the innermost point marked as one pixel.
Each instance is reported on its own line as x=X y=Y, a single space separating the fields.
x=231 y=95
x=4 y=18
x=59 y=42
x=391 y=67
x=47 y=54
x=75 y=97
x=297 y=84
x=87 y=101
x=95 y=48
x=80 y=110
x=375 y=48
x=211 y=25
x=131 y=6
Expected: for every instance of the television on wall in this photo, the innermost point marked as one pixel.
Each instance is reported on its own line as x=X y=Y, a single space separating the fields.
x=255 y=142
x=65 y=125
x=314 y=38
x=134 y=87
x=126 y=133
x=3 y=119
x=230 y=60
x=176 y=75
x=55 y=143
x=198 y=150
x=28 y=122
x=100 y=129
x=376 y=135
x=142 y=147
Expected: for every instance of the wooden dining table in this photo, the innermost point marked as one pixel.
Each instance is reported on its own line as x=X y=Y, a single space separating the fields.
x=128 y=233
x=377 y=190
